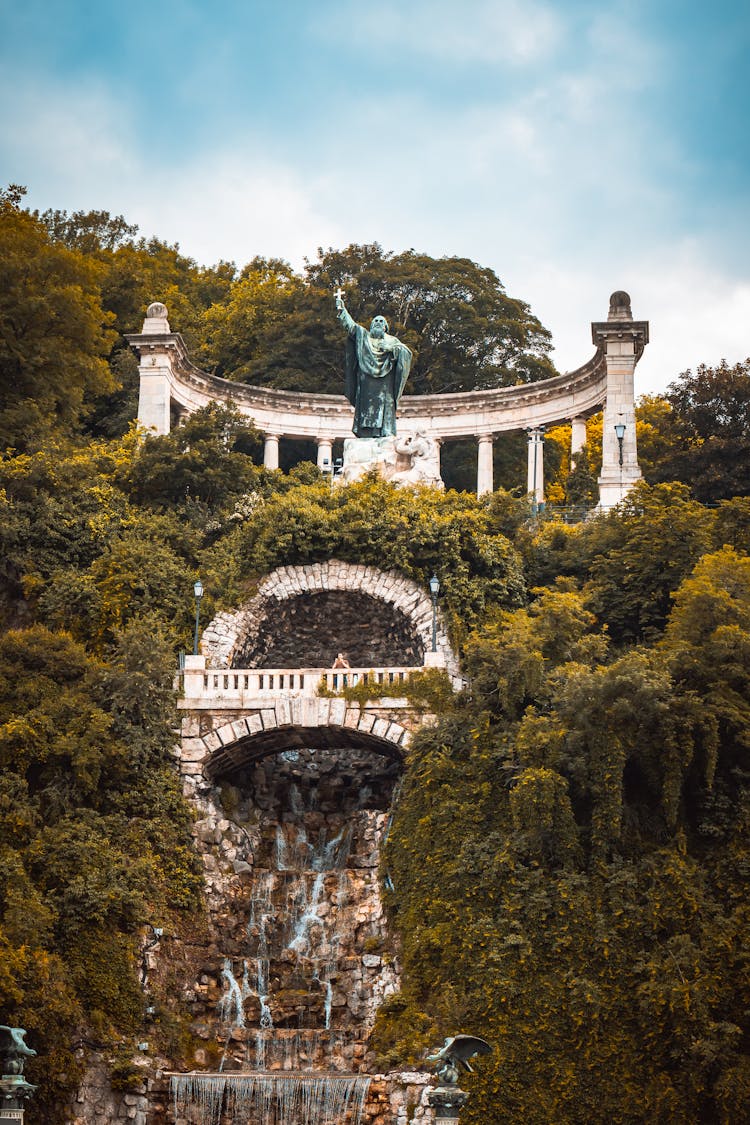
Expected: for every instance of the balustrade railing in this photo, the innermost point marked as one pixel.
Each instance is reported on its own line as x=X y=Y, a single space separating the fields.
x=234 y=683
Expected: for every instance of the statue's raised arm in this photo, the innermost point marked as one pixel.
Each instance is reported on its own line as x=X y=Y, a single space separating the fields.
x=343 y=312
x=377 y=367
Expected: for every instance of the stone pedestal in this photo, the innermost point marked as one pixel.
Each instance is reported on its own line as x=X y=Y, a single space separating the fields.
x=447 y=1102
x=408 y=459
x=14 y=1089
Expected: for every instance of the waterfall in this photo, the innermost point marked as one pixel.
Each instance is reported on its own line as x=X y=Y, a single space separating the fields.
x=300 y=942
x=297 y=987
x=271 y=1099
x=233 y=996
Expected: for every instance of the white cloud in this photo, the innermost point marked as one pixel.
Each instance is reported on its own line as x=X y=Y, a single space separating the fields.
x=518 y=32
x=696 y=313
x=234 y=207
x=77 y=149
x=541 y=190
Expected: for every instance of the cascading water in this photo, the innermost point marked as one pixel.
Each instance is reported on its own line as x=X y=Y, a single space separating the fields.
x=300 y=983
x=267 y=1099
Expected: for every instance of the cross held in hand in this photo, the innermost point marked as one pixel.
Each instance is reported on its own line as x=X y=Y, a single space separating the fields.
x=339 y=295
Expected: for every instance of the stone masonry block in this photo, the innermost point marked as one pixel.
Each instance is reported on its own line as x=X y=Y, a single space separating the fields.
x=212 y=742
x=351 y=718
x=394 y=733
x=283 y=712
x=239 y=729
x=337 y=712
x=254 y=724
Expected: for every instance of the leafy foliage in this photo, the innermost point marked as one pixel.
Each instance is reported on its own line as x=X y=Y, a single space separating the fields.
x=699 y=432
x=568 y=858
x=53 y=331
x=579 y=917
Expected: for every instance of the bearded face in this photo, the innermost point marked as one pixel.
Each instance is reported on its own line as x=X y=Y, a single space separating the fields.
x=379 y=327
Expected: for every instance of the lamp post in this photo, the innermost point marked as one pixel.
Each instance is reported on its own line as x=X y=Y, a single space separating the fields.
x=198 y=591
x=434 y=591
x=620 y=428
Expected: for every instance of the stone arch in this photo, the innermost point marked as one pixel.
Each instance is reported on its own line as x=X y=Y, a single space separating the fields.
x=229 y=633
x=292 y=723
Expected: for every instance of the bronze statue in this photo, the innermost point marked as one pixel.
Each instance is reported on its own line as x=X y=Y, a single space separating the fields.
x=377 y=367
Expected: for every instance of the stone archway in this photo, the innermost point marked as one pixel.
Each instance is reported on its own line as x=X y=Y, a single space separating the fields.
x=231 y=634
x=326 y=724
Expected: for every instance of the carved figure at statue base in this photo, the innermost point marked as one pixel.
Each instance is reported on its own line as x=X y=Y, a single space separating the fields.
x=411 y=459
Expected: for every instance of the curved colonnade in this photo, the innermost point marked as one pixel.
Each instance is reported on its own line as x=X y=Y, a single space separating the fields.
x=171 y=386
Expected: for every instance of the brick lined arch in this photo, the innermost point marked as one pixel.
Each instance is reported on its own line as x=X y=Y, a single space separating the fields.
x=229 y=633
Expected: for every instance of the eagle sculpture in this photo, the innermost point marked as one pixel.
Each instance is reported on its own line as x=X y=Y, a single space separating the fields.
x=455 y=1054
x=13 y=1050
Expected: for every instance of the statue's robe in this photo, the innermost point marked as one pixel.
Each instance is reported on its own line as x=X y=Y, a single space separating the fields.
x=376 y=371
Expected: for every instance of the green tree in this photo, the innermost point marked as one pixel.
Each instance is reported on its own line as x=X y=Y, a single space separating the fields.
x=54 y=334
x=205 y=462
x=699 y=433
x=641 y=552
x=277 y=329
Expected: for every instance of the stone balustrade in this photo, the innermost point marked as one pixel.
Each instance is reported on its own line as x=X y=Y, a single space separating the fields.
x=240 y=685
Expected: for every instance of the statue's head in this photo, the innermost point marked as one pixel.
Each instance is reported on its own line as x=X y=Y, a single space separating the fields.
x=379 y=327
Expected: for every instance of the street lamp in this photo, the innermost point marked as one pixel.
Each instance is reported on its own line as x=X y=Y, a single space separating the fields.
x=434 y=591
x=198 y=591
x=620 y=428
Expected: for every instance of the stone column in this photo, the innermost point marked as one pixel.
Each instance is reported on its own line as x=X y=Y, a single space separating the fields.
x=622 y=340
x=271 y=452
x=155 y=368
x=484 y=464
x=325 y=452
x=577 y=436
x=535 y=474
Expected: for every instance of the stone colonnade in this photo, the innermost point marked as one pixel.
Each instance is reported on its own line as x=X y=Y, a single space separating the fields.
x=171 y=387
x=485 y=444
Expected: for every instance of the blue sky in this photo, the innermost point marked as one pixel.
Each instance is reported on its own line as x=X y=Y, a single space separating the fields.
x=575 y=147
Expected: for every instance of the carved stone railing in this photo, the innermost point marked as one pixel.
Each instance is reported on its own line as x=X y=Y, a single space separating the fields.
x=241 y=684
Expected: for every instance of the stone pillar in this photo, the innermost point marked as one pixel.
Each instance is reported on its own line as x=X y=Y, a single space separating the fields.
x=577 y=436
x=535 y=474
x=155 y=369
x=195 y=667
x=484 y=464
x=622 y=340
x=325 y=452
x=271 y=452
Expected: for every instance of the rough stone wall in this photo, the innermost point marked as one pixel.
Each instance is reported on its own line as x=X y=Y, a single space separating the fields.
x=96 y=1103
x=231 y=633
x=310 y=630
